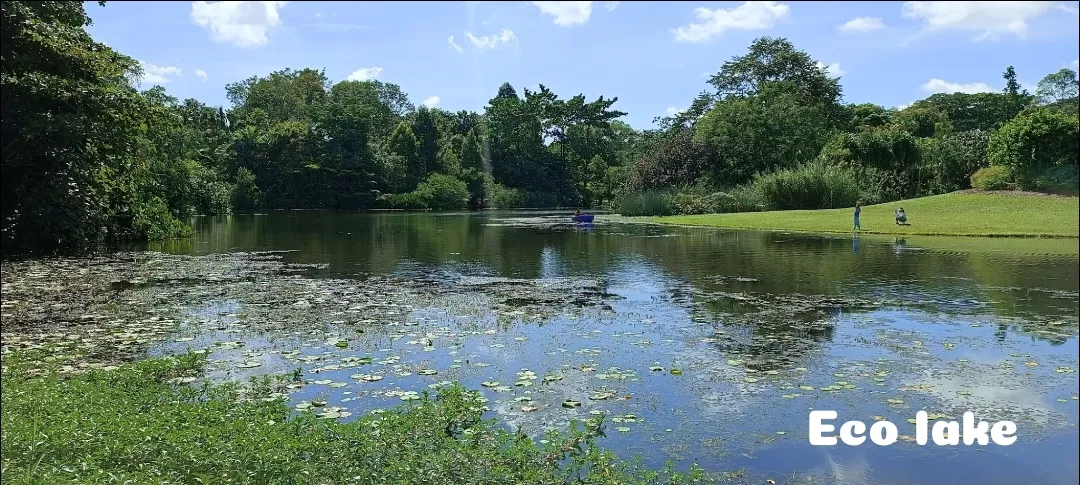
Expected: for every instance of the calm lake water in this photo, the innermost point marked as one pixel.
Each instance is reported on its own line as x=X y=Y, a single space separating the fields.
x=764 y=327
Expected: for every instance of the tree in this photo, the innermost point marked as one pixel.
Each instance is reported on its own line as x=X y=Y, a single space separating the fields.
x=427 y=135
x=1059 y=86
x=1035 y=142
x=404 y=144
x=71 y=170
x=771 y=60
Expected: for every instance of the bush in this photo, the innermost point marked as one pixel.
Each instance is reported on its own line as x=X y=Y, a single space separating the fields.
x=948 y=162
x=503 y=197
x=444 y=192
x=995 y=177
x=1061 y=179
x=671 y=160
x=648 y=203
x=154 y=222
x=437 y=192
x=1035 y=141
x=815 y=185
x=245 y=193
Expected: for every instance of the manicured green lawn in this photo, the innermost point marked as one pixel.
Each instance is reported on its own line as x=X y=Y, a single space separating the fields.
x=955 y=214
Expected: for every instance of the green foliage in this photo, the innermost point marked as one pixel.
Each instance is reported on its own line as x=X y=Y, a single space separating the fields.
x=771 y=130
x=136 y=425
x=814 y=185
x=672 y=160
x=1034 y=142
x=444 y=192
x=889 y=158
x=246 y=195
x=995 y=177
x=72 y=170
x=949 y=162
x=1059 y=179
x=647 y=203
x=154 y=222
x=503 y=197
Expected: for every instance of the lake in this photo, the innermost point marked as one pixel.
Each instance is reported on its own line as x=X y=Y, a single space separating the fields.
x=698 y=345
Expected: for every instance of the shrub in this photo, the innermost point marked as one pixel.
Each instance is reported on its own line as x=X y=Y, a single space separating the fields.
x=671 y=160
x=815 y=185
x=1035 y=141
x=1061 y=179
x=443 y=192
x=995 y=177
x=503 y=197
x=948 y=162
x=648 y=203
x=245 y=193
x=154 y=222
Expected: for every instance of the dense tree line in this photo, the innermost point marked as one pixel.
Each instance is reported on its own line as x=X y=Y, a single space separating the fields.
x=89 y=159
x=773 y=133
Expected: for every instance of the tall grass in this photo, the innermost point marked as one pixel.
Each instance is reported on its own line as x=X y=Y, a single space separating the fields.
x=648 y=203
x=814 y=185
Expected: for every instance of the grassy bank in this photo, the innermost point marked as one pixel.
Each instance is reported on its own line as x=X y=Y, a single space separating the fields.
x=144 y=423
x=955 y=214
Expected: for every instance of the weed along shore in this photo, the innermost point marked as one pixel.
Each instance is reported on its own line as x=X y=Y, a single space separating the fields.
x=999 y=214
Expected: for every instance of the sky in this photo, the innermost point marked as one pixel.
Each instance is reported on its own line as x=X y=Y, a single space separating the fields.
x=655 y=57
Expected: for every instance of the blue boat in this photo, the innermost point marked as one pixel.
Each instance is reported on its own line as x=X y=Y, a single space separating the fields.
x=583 y=218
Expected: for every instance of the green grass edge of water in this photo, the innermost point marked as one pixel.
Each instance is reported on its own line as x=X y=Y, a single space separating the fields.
x=133 y=425
x=954 y=214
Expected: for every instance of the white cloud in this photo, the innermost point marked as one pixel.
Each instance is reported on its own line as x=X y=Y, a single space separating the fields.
x=492 y=41
x=243 y=24
x=158 y=74
x=989 y=19
x=1075 y=65
x=902 y=107
x=201 y=74
x=431 y=101
x=861 y=24
x=832 y=69
x=748 y=16
x=365 y=74
x=611 y=5
x=566 y=13
x=941 y=86
x=672 y=111
x=453 y=44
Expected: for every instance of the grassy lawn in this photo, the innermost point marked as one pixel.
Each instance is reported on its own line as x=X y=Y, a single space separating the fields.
x=955 y=214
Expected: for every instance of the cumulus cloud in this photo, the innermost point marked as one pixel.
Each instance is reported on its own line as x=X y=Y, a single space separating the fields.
x=453 y=44
x=672 y=110
x=492 y=41
x=243 y=24
x=861 y=24
x=988 y=19
x=566 y=13
x=365 y=74
x=941 y=86
x=748 y=16
x=611 y=5
x=832 y=69
x=431 y=101
x=201 y=74
x=153 y=74
x=1075 y=64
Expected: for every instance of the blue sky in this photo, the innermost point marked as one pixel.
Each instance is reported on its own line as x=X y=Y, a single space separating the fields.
x=655 y=56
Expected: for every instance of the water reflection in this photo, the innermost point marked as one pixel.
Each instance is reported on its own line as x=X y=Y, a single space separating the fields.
x=753 y=321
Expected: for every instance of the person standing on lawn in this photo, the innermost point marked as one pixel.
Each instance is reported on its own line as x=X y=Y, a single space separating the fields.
x=858 y=210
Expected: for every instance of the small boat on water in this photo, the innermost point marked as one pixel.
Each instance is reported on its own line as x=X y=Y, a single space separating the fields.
x=583 y=218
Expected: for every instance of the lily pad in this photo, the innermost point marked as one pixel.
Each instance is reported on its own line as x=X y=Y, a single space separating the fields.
x=570 y=403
